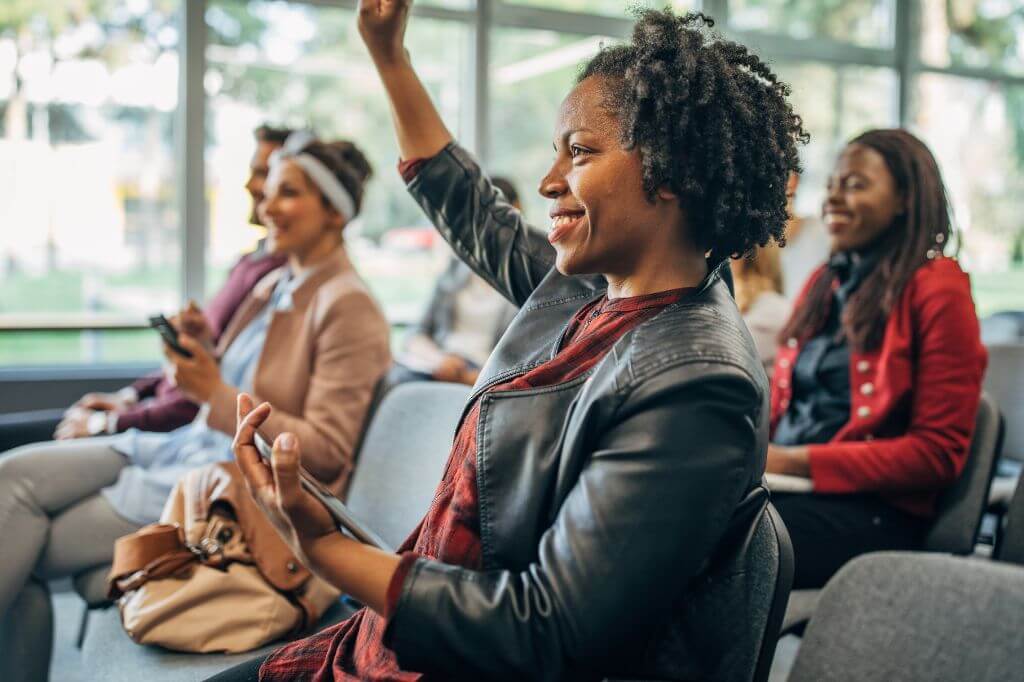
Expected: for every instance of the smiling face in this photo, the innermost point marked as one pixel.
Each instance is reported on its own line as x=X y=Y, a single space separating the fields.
x=297 y=220
x=601 y=218
x=862 y=201
x=259 y=166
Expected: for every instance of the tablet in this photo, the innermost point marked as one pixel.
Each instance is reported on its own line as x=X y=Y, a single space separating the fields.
x=341 y=514
x=783 y=483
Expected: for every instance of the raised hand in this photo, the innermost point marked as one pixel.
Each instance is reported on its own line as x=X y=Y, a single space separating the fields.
x=382 y=25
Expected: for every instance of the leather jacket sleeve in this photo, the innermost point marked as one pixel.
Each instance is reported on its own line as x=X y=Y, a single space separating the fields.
x=647 y=510
x=485 y=231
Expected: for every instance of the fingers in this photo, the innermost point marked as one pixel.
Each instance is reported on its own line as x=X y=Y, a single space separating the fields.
x=191 y=345
x=245 y=406
x=193 y=322
x=249 y=419
x=286 y=471
x=255 y=470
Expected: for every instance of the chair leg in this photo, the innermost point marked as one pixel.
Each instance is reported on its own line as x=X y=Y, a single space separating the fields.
x=83 y=625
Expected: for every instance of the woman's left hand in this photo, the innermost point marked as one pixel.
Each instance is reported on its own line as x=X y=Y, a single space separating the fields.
x=298 y=517
x=791 y=461
x=198 y=377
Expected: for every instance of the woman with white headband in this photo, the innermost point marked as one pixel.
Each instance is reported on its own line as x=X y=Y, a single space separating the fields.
x=309 y=338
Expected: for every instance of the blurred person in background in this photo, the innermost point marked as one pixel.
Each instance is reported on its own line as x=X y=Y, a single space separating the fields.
x=807 y=244
x=153 y=403
x=757 y=282
x=461 y=325
x=309 y=338
x=878 y=375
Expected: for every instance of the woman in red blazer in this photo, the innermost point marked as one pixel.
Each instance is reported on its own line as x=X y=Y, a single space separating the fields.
x=878 y=377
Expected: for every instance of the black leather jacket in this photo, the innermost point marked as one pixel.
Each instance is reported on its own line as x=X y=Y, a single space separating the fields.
x=602 y=500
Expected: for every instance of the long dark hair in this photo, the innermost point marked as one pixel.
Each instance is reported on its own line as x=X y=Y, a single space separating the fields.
x=916 y=236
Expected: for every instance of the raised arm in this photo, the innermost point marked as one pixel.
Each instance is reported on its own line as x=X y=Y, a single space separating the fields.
x=421 y=132
x=485 y=231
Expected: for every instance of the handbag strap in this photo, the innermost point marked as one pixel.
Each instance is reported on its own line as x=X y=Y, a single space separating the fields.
x=155 y=551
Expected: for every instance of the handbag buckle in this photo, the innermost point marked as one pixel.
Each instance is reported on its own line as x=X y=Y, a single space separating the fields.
x=206 y=548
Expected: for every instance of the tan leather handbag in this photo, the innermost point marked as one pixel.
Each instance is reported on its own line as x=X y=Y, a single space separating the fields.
x=213 y=575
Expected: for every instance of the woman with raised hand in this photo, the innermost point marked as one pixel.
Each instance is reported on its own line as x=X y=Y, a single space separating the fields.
x=618 y=430
x=309 y=338
x=878 y=376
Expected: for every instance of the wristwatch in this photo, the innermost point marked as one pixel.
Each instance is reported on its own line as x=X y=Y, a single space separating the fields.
x=101 y=423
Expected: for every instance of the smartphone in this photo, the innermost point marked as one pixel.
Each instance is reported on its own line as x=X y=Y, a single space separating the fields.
x=168 y=333
x=341 y=514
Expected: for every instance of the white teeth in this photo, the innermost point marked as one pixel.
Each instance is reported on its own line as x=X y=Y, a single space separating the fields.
x=563 y=220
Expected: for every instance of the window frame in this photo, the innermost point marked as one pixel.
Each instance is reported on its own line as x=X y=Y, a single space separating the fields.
x=482 y=17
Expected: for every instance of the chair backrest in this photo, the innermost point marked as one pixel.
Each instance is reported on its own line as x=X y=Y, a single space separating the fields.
x=729 y=620
x=775 y=588
x=403 y=452
x=1010 y=542
x=1000 y=329
x=916 y=616
x=962 y=505
x=1004 y=381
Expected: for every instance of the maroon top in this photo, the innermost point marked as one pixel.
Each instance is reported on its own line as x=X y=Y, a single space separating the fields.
x=162 y=407
x=450 y=531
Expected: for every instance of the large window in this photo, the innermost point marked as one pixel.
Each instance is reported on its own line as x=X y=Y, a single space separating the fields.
x=92 y=132
x=836 y=102
x=305 y=66
x=973 y=33
x=531 y=73
x=864 y=22
x=88 y=215
x=976 y=130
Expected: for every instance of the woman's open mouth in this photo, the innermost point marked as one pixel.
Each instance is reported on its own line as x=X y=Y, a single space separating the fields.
x=564 y=223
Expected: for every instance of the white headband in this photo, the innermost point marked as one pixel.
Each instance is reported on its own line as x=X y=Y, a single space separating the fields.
x=321 y=176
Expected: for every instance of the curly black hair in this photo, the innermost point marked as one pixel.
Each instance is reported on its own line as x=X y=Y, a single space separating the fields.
x=710 y=121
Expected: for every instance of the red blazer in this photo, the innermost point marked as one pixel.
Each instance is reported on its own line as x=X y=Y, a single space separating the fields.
x=913 y=400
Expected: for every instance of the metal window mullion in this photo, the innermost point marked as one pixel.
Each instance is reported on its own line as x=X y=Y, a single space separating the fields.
x=905 y=45
x=990 y=75
x=776 y=46
x=418 y=10
x=508 y=15
x=717 y=10
x=190 y=134
x=479 y=83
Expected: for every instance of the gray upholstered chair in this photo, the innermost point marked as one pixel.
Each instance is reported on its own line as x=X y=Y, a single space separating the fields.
x=771 y=566
x=1010 y=543
x=955 y=530
x=902 y=617
x=730 y=625
x=399 y=464
x=1004 y=381
x=402 y=456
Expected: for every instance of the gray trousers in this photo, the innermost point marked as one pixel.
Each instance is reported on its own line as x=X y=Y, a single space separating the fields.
x=53 y=524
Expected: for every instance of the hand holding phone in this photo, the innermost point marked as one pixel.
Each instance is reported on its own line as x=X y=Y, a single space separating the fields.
x=168 y=333
x=341 y=514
